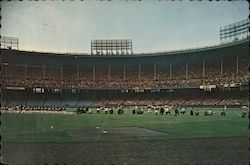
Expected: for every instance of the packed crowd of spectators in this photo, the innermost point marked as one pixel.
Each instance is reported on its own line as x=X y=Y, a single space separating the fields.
x=179 y=101
x=68 y=78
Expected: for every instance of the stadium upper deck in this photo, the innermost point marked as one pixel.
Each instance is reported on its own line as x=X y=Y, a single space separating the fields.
x=217 y=65
x=239 y=48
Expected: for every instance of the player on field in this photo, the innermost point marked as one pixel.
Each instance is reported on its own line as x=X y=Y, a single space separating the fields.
x=167 y=109
x=176 y=111
x=196 y=112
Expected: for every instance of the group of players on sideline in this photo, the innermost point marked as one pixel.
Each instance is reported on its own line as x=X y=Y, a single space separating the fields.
x=157 y=110
x=30 y=109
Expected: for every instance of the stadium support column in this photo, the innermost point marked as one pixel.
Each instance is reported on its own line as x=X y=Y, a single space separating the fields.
x=221 y=66
x=109 y=74
x=155 y=71
x=93 y=71
x=203 y=68
x=3 y=68
x=44 y=72
x=237 y=65
x=139 y=76
x=124 y=72
x=25 y=71
x=6 y=69
x=61 y=72
x=77 y=72
x=170 y=71
x=186 y=70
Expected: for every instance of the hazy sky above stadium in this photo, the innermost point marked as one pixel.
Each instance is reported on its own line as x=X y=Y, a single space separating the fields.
x=152 y=25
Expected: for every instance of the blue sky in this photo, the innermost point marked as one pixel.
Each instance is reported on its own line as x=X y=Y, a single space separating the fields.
x=152 y=25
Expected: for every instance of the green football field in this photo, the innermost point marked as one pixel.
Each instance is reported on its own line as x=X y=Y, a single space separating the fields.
x=29 y=131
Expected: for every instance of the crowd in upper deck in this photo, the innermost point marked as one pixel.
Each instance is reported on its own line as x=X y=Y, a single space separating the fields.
x=13 y=75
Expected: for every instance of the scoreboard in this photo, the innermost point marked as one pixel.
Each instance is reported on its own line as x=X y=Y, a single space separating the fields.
x=111 y=47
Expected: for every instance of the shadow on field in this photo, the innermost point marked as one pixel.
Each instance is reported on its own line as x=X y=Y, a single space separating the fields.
x=185 y=151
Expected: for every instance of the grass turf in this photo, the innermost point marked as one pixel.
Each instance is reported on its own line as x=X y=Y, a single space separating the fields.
x=37 y=127
x=214 y=151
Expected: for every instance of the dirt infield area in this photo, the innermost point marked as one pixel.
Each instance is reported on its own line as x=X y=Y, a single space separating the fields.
x=183 y=151
x=114 y=132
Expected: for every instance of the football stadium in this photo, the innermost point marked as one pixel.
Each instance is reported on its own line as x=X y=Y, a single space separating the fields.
x=115 y=106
